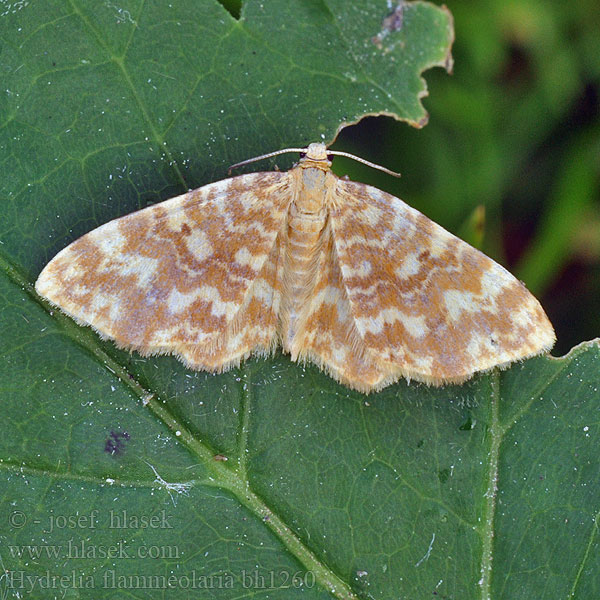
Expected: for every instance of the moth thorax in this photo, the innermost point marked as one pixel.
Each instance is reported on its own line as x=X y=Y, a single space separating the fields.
x=311 y=190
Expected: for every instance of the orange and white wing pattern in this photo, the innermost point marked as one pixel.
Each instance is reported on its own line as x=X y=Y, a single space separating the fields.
x=329 y=336
x=426 y=305
x=182 y=276
x=340 y=273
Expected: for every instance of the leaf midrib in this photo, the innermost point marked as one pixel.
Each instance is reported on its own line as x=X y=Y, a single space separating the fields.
x=498 y=432
x=489 y=509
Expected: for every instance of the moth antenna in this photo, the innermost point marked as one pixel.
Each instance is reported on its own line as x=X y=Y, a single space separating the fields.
x=304 y=150
x=262 y=156
x=365 y=162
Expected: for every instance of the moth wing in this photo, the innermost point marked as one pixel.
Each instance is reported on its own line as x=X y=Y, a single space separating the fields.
x=329 y=336
x=177 y=277
x=425 y=303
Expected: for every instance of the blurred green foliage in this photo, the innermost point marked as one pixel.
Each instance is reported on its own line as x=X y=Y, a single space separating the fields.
x=515 y=130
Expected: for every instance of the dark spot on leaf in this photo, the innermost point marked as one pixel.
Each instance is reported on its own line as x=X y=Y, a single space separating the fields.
x=468 y=425
x=115 y=442
x=443 y=475
x=392 y=22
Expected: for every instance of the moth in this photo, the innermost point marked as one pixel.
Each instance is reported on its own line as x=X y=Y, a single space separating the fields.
x=336 y=272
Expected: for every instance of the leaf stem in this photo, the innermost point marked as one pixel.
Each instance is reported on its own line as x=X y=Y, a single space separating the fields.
x=489 y=509
x=586 y=556
x=225 y=478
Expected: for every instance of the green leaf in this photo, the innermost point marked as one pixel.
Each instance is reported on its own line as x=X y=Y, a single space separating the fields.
x=113 y=481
